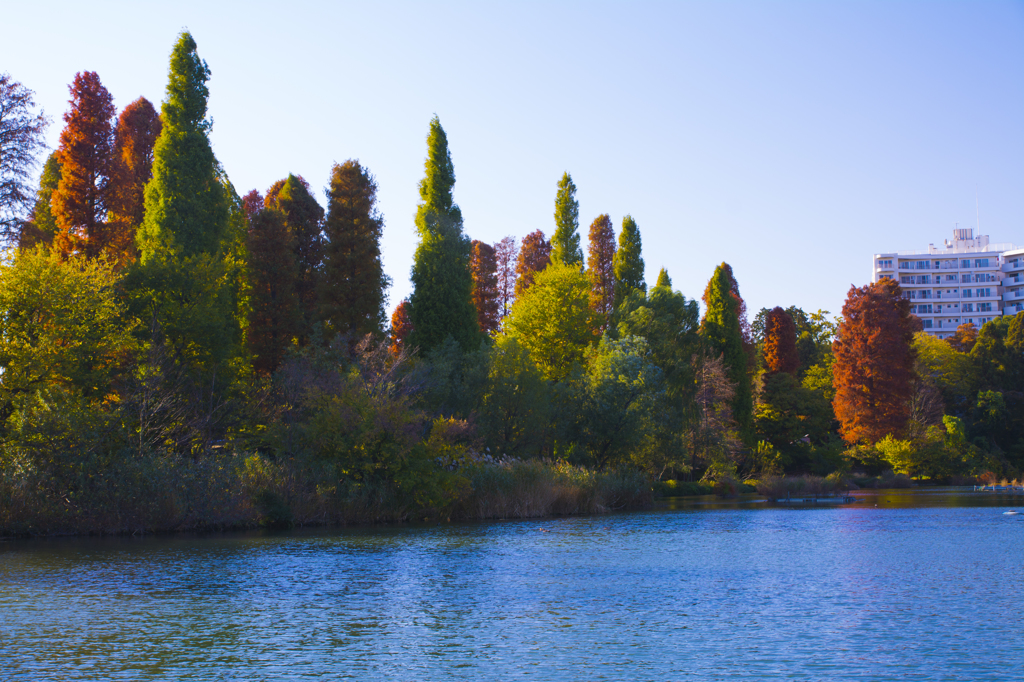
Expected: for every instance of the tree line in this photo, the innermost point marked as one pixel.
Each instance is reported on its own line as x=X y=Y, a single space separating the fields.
x=150 y=310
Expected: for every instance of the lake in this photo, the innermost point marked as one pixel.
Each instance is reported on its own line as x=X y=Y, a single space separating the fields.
x=928 y=584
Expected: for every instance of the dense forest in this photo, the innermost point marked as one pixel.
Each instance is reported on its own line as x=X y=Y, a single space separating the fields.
x=176 y=354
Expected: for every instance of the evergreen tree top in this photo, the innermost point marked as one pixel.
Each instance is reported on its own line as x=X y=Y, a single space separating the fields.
x=187 y=94
x=439 y=177
x=565 y=242
x=629 y=264
x=663 y=279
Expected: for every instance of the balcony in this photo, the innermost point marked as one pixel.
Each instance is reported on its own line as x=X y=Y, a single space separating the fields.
x=1014 y=265
x=1015 y=295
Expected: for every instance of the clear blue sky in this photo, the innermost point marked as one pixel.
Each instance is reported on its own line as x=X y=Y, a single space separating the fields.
x=790 y=139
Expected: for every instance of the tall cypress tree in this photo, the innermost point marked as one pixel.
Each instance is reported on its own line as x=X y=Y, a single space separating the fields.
x=441 y=302
x=182 y=286
x=304 y=217
x=274 y=315
x=723 y=335
x=138 y=128
x=663 y=279
x=352 y=286
x=601 y=266
x=186 y=203
x=565 y=242
x=629 y=264
x=85 y=152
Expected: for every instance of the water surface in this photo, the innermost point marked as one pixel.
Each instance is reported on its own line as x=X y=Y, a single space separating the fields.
x=927 y=585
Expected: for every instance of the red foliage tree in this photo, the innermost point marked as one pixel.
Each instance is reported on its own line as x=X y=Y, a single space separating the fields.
x=600 y=266
x=274 y=309
x=484 y=266
x=873 y=370
x=137 y=129
x=965 y=337
x=85 y=151
x=534 y=256
x=401 y=325
x=252 y=203
x=505 y=254
x=780 y=354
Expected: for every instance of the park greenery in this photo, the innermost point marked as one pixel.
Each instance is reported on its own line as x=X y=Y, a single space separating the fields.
x=176 y=355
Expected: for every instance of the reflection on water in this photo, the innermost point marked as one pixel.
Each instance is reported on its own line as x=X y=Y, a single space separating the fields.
x=899 y=498
x=926 y=585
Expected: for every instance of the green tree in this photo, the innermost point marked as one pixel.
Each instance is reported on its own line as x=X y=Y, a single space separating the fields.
x=565 y=242
x=304 y=218
x=622 y=389
x=629 y=264
x=553 y=320
x=42 y=226
x=442 y=298
x=722 y=332
x=186 y=203
x=515 y=410
x=353 y=286
x=663 y=279
x=63 y=324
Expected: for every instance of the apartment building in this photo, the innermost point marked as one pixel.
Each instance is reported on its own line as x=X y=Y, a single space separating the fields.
x=965 y=280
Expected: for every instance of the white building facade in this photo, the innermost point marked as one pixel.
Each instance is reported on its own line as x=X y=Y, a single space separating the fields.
x=966 y=280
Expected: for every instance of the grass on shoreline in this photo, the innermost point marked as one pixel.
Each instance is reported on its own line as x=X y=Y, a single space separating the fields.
x=158 y=494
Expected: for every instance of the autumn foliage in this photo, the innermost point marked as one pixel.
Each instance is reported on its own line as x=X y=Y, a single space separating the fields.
x=534 y=256
x=86 y=145
x=484 y=266
x=780 y=353
x=506 y=252
x=601 y=266
x=874 y=363
x=401 y=325
x=131 y=167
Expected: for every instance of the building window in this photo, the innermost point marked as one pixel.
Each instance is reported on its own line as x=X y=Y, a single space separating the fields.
x=981 y=262
x=984 y=307
x=965 y=263
x=967 y=308
x=927 y=324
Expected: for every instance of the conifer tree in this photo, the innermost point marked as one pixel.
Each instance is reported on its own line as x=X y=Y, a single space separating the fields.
x=305 y=222
x=401 y=325
x=780 y=353
x=722 y=333
x=484 y=267
x=629 y=263
x=874 y=363
x=565 y=242
x=85 y=152
x=41 y=226
x=186 y=203
x=441 y=302
x=663 y=279
x=534 y=257
x=601 y=266
x=138 y=128
x=274 y=315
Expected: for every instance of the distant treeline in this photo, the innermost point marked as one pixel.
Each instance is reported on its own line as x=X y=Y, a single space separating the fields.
x=176 y=355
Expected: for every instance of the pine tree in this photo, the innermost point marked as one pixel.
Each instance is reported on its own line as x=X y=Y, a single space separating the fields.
x=663 y=279
x=186 y=203
x=41 y=226
x=534 y=257
x=274 y=315
x=780 y=353
x=441 y=301
x=85 y=152
x=138 y=128
x=723 y=335
x=305 y=222
x=629 y=264
x=601 y=266
x=565 y=242
x=484 y=267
